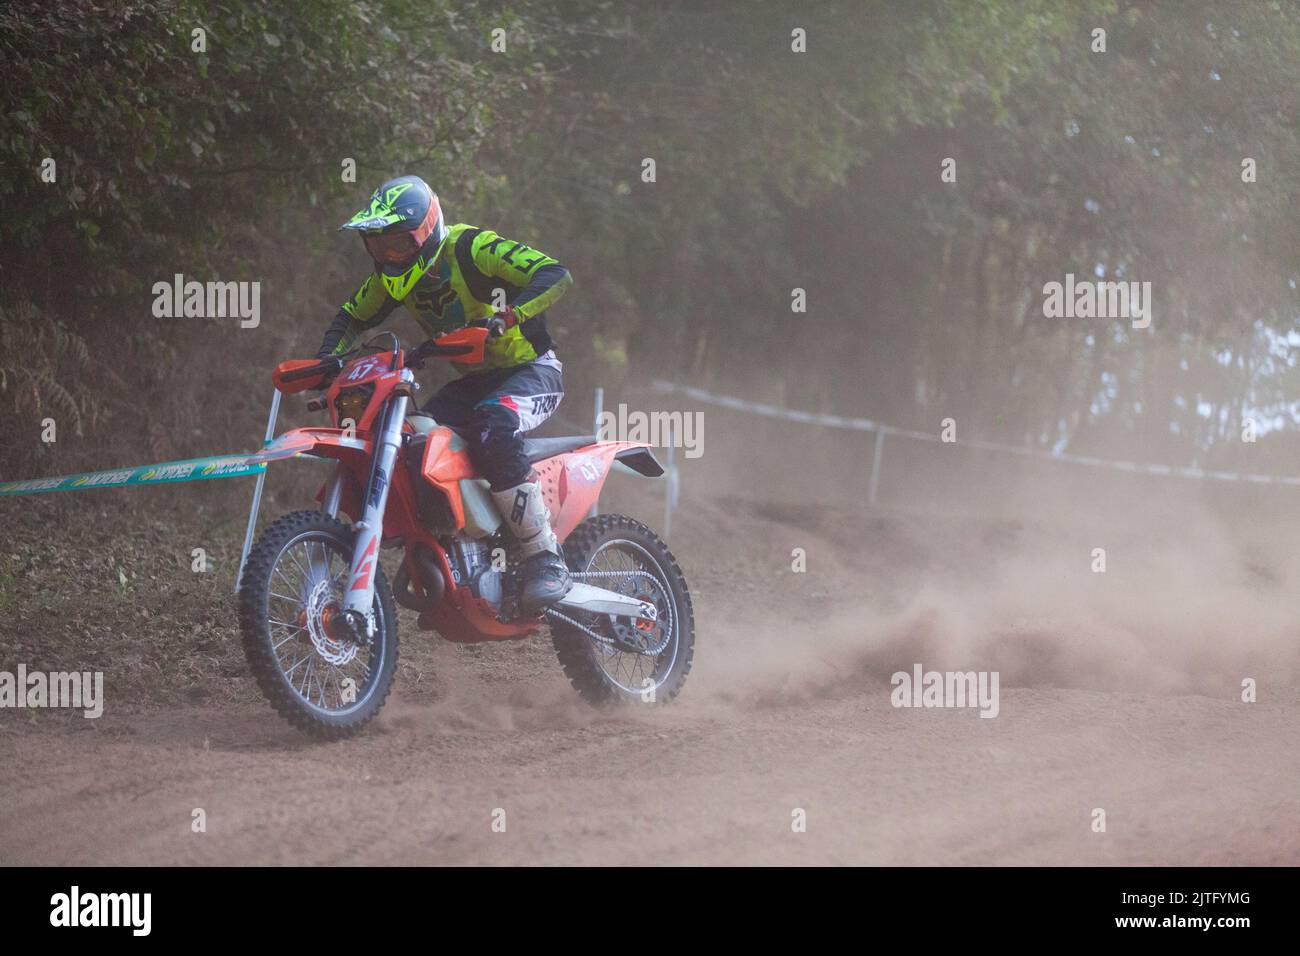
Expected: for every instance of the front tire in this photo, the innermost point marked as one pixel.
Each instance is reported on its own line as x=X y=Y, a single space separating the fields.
x=611 y=670
x=293 y=582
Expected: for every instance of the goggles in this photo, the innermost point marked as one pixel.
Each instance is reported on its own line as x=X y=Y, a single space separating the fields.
x=394 y=247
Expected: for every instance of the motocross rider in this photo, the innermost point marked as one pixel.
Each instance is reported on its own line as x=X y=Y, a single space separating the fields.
x=449 y=277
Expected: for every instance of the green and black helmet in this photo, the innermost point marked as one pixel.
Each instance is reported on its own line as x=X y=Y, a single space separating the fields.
x=403 y=229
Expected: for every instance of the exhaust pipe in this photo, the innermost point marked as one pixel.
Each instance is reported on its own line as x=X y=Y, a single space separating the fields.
x=429 y=576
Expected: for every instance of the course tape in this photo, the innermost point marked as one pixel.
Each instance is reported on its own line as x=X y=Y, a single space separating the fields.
x=194 y=469
x=170 y=472
x=866 y=424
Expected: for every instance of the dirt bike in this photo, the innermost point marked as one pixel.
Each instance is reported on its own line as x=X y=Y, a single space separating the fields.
x=317 y=610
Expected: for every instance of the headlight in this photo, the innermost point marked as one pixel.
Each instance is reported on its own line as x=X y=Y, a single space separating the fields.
x=352 y=402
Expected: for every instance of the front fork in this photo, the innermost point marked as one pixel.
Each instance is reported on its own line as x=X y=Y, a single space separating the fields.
x=359 y=600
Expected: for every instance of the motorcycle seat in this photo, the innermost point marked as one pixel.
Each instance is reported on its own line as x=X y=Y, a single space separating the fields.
x=539 y=449
x=535 y=449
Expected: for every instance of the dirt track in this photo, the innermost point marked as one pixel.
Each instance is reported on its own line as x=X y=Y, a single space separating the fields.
x=788 y=708
x=1200 y=782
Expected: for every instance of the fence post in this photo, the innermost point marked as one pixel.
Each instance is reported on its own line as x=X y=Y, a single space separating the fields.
x=875 y=465
x=257 y=490
x=595 y=428
x=670 y=486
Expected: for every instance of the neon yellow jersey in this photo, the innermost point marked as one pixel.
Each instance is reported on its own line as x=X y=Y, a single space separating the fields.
x=473 y=275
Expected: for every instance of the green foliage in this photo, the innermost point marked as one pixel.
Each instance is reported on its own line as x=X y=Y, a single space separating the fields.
x=159 y=147
x=775 y=169
x=41 y=361
x=221 y=163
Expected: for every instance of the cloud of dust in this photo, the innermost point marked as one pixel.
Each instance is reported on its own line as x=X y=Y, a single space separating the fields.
x=1189 y=603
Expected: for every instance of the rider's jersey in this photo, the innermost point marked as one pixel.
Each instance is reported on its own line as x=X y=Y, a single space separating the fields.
x=474 y=276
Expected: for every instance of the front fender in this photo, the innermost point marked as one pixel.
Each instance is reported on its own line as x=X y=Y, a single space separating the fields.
x=321 y=443
x=314 y=443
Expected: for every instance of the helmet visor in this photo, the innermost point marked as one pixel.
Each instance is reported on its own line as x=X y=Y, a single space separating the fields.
x=397 y=248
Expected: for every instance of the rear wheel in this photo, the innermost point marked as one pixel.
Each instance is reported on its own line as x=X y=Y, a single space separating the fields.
x=290 y=602
x=609 y=658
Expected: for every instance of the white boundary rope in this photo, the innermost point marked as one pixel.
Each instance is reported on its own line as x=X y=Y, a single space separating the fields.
x=866 y=424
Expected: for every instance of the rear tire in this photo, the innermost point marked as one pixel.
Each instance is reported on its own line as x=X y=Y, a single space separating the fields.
x=586 y=662
x=319 y=540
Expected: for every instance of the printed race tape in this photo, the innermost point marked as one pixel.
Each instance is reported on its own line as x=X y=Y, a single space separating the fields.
x=193 y=469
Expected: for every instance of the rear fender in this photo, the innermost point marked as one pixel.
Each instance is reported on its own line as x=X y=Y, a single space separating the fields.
x=571 y=482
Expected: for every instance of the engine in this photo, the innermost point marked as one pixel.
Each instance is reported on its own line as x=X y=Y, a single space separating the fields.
x=473 y=566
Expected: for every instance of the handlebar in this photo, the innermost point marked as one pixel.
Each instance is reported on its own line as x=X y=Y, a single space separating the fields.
x=414 y=359
x=463 y=345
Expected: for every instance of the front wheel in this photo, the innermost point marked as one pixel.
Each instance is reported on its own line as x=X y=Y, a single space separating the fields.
x=290 y=601
x=609 y=658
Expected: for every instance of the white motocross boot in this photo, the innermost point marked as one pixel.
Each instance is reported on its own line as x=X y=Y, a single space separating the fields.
x=546 y=577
